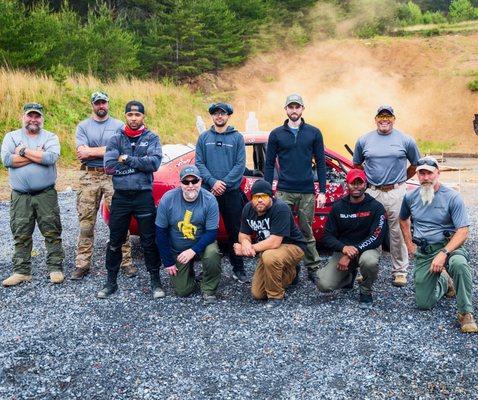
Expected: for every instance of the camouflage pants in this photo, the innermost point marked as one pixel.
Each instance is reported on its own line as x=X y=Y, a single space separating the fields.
x=93 y=186
x=25 y=210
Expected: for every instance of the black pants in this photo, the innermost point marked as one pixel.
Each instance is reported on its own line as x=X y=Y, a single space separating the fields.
x=230 y=207
x=140 y=204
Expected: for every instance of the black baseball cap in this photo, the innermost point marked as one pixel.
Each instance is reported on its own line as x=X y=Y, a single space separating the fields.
x=134 y=105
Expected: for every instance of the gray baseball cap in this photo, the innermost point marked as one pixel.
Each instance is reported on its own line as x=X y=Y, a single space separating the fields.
x=294 y=98
x=189 y=170
x=385 y=108
x=427 y=163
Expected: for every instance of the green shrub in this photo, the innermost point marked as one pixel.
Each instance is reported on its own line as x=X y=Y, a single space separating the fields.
x=409 y=14
x=461 y=10
x=434 y=18
x=473 y=85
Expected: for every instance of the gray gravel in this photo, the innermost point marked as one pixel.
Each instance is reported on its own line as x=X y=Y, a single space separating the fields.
x=61 y=342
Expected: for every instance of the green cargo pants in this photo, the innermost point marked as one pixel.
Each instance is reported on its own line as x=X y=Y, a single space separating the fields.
x=431 y=287
x=184 y=282
x=330 y=278
x=25 y=210
x=305 y=204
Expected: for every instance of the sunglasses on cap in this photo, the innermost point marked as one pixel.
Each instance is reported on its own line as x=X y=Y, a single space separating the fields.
x=186 y=182
x=260 y=196
x=427 y=161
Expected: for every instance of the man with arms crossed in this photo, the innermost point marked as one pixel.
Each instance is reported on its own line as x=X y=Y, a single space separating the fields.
x=354 y=231
x=440 y=228
x=30 y=154
x=296 y=144
x=92 y=135
x=278 y=242
x=186 y=228
x=383 y=154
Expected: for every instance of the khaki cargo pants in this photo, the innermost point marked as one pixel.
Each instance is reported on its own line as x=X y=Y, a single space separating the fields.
x=275 y=271
x=93 y=186
x=25 y=210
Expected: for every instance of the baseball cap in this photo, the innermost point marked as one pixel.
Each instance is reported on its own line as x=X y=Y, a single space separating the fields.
x=227 y=108
x=294 y=98
x=97 y=96
x=356 y=174
x=427 y=163
x=385 y=108
x=189 y=170
x=33 y=107
x=261 y=186
x=134 y=105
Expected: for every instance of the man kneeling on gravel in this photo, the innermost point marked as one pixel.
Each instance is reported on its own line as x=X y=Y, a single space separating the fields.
x=187 y=221
x=279 y=243
x=355 y=230
x=440 y=228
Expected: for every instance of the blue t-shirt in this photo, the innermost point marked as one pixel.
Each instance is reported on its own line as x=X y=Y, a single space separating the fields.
x=447 y=212
x=385 y=156
x=185 y=220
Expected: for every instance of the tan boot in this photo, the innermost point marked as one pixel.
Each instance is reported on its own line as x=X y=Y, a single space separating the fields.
x=56 y=277
x=451 y=292
x=399 y=281
x=15 y=279
x=467 y=322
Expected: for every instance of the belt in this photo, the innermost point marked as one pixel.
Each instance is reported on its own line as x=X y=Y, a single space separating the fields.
x=37 y=192
x=387 y=188
x=86 y=168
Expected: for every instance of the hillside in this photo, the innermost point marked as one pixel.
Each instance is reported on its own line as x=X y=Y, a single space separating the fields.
x=343 y=82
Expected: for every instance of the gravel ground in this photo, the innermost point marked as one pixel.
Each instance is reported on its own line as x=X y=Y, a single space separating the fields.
x=61 y=342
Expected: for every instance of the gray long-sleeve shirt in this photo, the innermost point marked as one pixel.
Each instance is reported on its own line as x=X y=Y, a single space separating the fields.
x=31 y=177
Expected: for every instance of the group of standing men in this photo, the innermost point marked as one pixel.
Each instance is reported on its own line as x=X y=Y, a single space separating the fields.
x=184 y=226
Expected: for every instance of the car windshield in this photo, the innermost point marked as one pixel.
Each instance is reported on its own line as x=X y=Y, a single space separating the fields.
x=172 y=151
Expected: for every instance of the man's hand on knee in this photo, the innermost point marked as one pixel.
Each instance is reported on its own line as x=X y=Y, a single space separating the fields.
x=438 y=263
x=343 y=264
x=172 y=270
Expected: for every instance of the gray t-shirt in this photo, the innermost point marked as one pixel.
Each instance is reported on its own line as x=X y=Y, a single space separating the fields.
x=31 y=177
x=447 y=212
x=385 y=156
x=96 y=134
x=187 y=220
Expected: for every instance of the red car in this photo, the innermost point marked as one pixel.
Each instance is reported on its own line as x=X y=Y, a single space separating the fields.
x=175 y=156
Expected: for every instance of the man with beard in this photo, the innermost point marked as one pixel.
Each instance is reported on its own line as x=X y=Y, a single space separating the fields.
x=221 y=159
x=296 y=145
x=440 y=228
x=132 y=156
x=30 y=154
x=383 y=154
x=278 y=242
x=186 y=228
x=354 y=231
x=92 y=135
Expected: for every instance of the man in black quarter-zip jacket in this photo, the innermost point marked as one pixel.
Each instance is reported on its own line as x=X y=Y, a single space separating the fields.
x=295 y=144
x=132 y=155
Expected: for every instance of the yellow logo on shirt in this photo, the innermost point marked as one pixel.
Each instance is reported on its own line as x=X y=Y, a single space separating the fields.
x=185 y=226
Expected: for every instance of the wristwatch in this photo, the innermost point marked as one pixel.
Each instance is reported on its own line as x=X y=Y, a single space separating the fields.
x=22 y=151
x=445 y=251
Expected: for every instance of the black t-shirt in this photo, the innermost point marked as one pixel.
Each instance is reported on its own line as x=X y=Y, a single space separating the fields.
x=277 y=220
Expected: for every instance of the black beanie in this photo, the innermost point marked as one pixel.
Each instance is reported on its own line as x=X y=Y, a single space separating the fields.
x=261 y=186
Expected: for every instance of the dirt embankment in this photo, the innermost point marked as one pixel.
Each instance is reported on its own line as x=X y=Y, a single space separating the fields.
x=343 y=82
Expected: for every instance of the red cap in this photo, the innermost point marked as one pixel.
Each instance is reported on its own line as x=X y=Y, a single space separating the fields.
x=355 y=174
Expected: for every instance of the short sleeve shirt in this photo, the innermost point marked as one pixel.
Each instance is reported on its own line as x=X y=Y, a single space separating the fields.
x=93 y=133
x=186 y=220
x=277 y=220
x=446 y=213
x=385 y=156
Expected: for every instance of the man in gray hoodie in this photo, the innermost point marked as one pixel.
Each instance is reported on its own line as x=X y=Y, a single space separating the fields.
x=221 y=159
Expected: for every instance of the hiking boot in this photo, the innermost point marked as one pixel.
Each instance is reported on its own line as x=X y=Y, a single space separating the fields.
x=467 y=322
x=209 y=298
x=239 y=275
x=312 y=276
x=451 y=292
x=15 y=279
x=365 y=301
x=56 y=277
x=297 y=276
x=399 y=281
x=129 y=271
x=158 y=292
x=107 y=291
x=274 y=303
x=79 y=273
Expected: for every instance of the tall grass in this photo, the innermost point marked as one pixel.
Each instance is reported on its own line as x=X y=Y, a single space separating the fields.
x=170 y=108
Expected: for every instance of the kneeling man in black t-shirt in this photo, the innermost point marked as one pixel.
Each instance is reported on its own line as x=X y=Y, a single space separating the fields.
x=268 y=222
